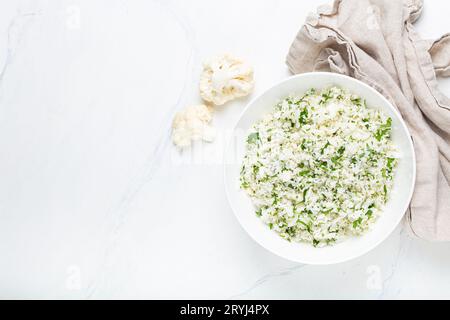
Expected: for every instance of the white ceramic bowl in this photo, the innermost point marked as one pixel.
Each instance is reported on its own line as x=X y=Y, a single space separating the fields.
x=301 y=252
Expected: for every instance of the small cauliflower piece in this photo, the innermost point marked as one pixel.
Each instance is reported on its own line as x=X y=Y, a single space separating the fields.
x=192 y=123
x=225 y=78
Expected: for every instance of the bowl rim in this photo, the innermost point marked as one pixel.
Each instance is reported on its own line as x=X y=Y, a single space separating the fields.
x=410 y=143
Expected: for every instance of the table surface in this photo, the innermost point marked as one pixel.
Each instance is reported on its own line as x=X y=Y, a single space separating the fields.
x=95 y=202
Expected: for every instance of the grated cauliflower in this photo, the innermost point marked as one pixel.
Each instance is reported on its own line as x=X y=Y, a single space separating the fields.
x=320 y=167
x=191 y=124
x=225 y=78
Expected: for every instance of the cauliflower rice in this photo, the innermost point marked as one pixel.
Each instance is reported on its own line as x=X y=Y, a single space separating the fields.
x=320 y=167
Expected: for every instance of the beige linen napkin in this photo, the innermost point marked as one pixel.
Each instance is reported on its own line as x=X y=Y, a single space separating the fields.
x=375 y=41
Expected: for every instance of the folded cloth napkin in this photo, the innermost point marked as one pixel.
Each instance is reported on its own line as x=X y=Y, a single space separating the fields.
x=375 y=41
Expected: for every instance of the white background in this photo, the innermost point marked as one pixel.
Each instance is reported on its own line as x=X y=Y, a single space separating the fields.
x=94 y=200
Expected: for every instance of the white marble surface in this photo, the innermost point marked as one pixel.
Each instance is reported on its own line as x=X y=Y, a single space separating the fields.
x=95 y=203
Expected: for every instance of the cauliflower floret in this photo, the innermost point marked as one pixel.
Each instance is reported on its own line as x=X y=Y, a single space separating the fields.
x=225 y=78
x=192 y=123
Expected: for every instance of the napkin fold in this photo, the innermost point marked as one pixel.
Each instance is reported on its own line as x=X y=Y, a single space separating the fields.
x=375 y=41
